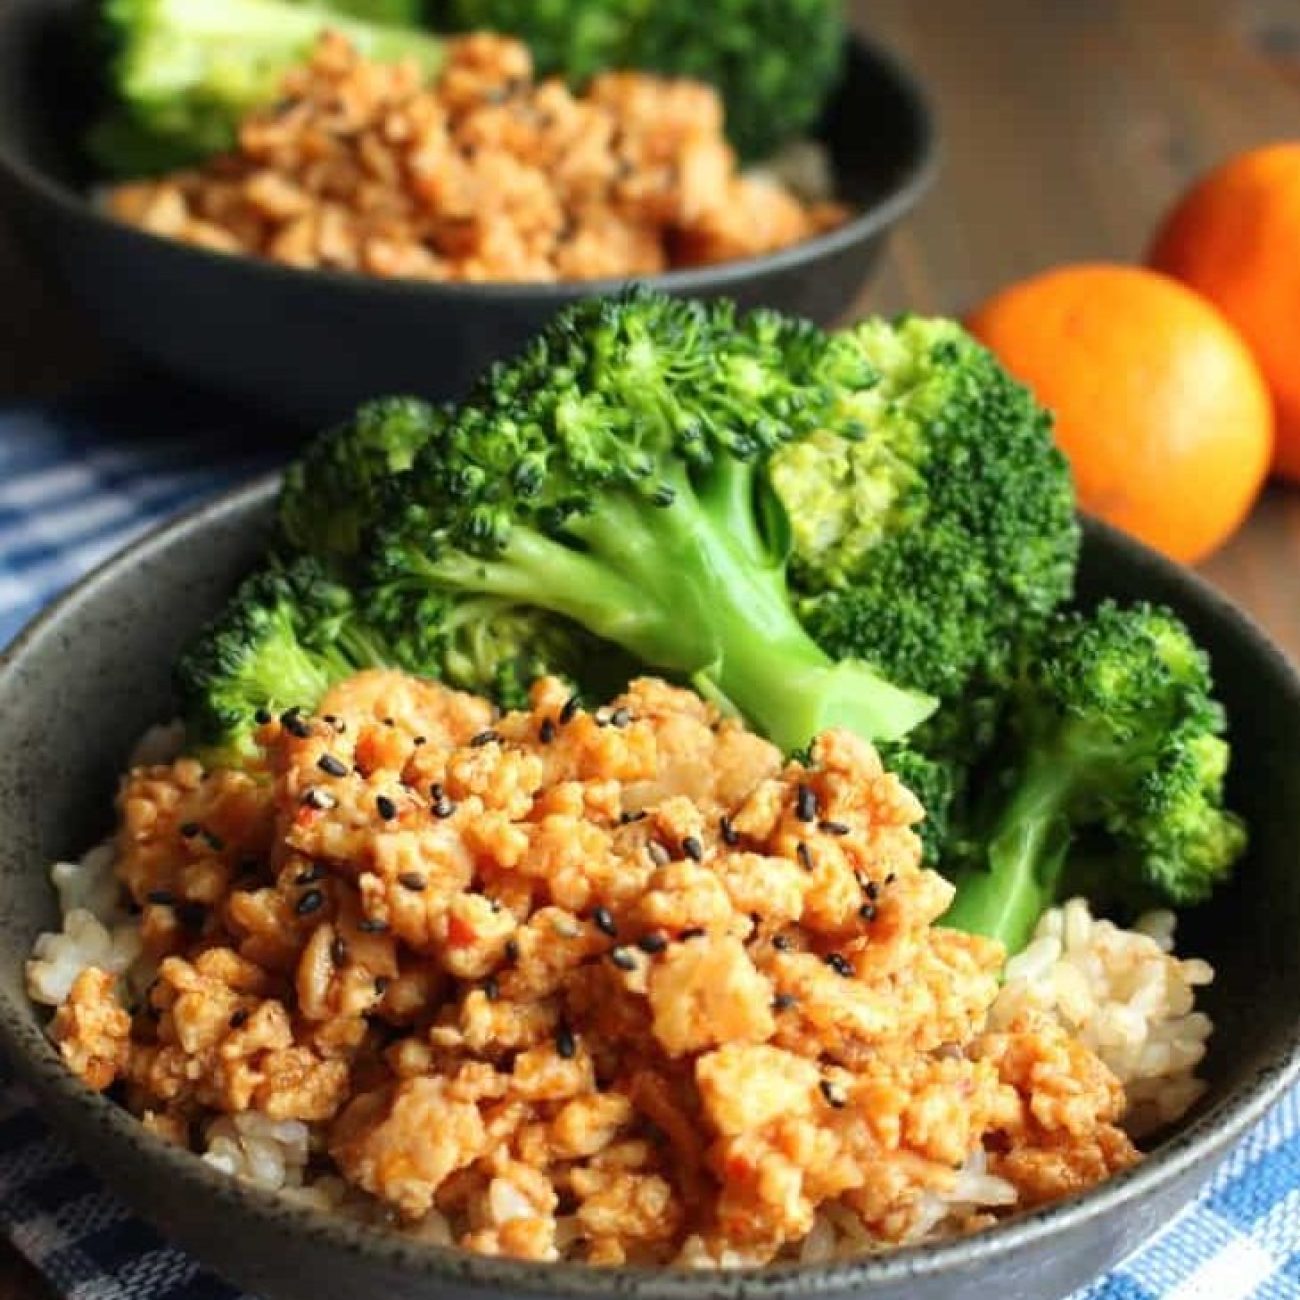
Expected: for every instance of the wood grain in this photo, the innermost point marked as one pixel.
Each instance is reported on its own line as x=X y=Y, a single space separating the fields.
x=1068 y=125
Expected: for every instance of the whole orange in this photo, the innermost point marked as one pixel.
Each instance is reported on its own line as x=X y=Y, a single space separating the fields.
x=1160 y=407
x=1235 y=238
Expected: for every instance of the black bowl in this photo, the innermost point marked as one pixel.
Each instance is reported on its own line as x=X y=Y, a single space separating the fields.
x=312 y=344
x=84 y=680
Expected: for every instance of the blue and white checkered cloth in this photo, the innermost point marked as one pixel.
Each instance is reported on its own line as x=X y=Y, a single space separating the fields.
x=79 y=480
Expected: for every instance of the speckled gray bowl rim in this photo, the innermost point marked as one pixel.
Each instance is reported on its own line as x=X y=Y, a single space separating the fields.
x=912 y=183
x=1227 y=1119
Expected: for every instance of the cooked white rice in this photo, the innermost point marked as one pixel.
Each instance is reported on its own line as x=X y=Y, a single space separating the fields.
x=1124 y=994
x=272 y=1153
x=97 y=931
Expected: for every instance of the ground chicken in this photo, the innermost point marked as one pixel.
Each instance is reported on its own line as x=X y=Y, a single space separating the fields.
x=615 y=984
x=486 y=175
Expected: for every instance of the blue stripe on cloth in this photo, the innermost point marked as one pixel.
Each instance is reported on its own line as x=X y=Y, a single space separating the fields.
x=1248 y=1196
x=79 y=478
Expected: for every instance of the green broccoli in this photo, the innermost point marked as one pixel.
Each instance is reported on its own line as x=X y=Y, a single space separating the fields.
x=932 y=545
x=309 y=619
x=332 y=494
x=612 y=475
x=774 y=62
x=1116 y=749
x=185 y=72
x=283 y=639
x=292 y=630
x=937 y=546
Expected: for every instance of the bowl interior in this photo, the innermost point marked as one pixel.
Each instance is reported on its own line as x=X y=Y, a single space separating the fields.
x=76 y=691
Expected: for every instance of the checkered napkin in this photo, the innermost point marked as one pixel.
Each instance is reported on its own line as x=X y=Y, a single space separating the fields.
x=78 y=481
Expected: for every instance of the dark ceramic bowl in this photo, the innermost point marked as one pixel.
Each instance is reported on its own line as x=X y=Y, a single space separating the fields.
x=82 y=683
x=312 y=344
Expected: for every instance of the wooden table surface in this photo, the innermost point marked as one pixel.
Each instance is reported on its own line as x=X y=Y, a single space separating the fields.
x=1068 y=125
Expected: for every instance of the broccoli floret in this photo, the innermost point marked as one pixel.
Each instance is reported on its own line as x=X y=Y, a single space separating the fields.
x=331 y=495
x=1117 y=748
x=612 y=474
x=936 y=547
x=774 y=62
x=931 y=546
x=284 y=638
x=185 y=72
x=292 y=630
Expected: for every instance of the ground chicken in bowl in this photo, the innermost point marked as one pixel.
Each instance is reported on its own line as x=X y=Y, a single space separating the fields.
x=485 y=175
x=617 y=985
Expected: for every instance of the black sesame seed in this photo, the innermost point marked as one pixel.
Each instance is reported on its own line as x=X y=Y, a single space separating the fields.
x=238 y=1017
x=420 y=740
x=784 y=1001
x=214 y=842
x=805 y=803
x=339 y=950
x=321 y=800
x=730 y=835
x=485 y=738
x=782 y=943
x=312 y=901
x=294 y=723
x=372 y=925
x=388 y=722
x=833 y=828
x=652 y=943
x=192 y=915
x=189 y=829
x=693 y=849
x=162 y=897
x=804 y=854
x=386 y=808
x=833 y=1094
x=332 y=719
x=604 y=922
x=840 y=964
x=658 y=854
x=627 y=818
x=693 y=932
x=310 y=876
x=620 y=717
x=623 y=958
x=413 y=881
x=565 y=1043
x=491 y=989
x=889 y=879
x=334 y=766
x=512 y=950
x=546 y=732
x=871 y=889
x=262 y=717
x=867 y=911
x=381 y=984
x=570 y=710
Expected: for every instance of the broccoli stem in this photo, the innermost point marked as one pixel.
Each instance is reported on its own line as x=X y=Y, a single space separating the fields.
x=678 y=586
x=1026 y=856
